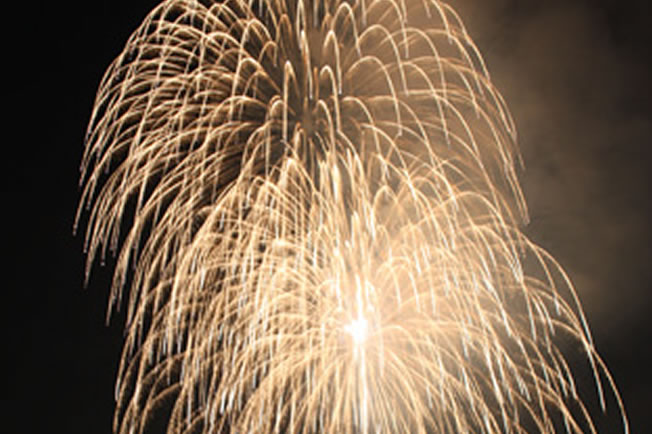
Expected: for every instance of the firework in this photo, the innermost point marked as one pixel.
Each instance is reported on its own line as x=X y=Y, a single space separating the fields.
x=315 y=207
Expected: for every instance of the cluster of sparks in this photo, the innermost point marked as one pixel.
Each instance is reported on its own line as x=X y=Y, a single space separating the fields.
x=315 y=206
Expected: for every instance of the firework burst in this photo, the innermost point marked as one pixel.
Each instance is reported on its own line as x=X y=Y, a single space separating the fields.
x=319 y=215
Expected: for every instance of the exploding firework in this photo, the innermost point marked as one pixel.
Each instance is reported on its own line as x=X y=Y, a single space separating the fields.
x=315 y=207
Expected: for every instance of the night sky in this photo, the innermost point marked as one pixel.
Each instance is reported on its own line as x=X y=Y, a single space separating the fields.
x=575 y=75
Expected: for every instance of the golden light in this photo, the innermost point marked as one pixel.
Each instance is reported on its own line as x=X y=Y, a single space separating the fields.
x=255 y=164
x=358 y=330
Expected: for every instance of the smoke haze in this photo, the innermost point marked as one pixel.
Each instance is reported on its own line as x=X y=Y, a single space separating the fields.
x=576 y=77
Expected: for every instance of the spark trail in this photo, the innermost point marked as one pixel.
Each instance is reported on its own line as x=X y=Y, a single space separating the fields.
x=315 y=207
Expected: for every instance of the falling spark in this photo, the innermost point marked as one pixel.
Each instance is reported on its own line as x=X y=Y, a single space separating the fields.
x=315 y=207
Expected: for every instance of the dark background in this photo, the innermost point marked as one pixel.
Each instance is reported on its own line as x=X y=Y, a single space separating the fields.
x=575 y=74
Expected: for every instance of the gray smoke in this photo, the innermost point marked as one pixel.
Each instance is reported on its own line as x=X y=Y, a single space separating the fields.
x=576 y=79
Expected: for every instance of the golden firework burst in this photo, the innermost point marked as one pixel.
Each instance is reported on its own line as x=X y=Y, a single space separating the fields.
x=320 y=227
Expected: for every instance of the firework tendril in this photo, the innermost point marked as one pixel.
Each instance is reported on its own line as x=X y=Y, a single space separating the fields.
x=315 y=208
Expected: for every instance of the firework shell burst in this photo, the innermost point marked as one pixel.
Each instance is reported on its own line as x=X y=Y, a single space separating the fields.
x=315 y=207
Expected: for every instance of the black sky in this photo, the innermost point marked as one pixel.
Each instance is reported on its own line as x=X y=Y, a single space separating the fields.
x=576 y=77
